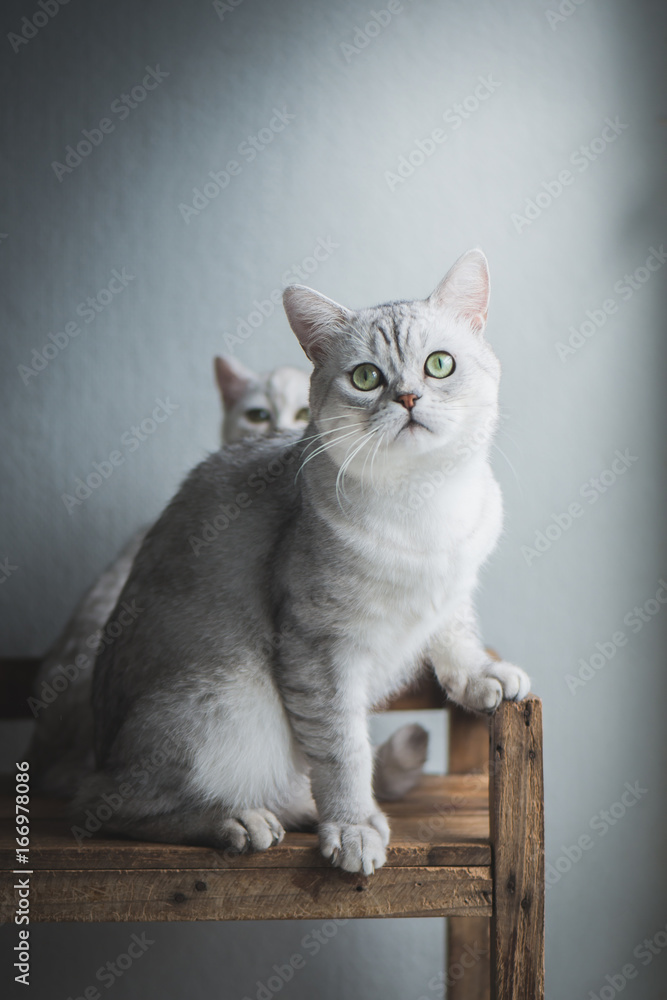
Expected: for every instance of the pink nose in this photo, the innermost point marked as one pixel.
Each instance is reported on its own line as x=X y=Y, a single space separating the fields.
x=407 y=399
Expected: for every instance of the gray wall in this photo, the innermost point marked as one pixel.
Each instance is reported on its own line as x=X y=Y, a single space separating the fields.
x=551 y=84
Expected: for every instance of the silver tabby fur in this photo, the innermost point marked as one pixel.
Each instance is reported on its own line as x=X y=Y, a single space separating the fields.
x=292 y=584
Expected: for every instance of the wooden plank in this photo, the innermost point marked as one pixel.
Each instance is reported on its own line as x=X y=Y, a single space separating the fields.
x=517 y=835
x=468 y=974
x=52 y=848
x=444 y=821
x=254 y=894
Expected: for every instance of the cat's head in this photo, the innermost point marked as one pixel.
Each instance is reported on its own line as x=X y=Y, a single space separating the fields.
x=399 y=381
x=259 y=404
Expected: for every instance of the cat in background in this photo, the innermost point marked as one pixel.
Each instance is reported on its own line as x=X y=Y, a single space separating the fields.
x=255 y=737
x=61 y=750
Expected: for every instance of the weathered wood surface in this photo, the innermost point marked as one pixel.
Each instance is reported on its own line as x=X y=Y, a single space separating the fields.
x=445 y=821
x=255 y=894
x=468 y=970
x=517 y=836
x=468 y=951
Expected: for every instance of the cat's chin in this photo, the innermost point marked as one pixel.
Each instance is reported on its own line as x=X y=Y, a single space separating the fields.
x=414 y=437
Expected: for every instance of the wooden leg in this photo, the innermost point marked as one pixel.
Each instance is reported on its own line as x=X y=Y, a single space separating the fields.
x=467 y=975
x=468 y=972
x=468 y=742
x=516 y=801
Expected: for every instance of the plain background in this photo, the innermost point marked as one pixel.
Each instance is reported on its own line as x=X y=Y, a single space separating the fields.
x=324 y=177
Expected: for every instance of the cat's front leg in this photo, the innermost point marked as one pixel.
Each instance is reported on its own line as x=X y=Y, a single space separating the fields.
x=330 y=722
x=468 y=674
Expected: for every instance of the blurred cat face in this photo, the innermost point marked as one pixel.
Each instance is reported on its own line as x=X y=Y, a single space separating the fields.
x=398 y=381
x=261 y=404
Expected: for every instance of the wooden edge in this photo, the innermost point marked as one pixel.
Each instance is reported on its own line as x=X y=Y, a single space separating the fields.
x=516 y=808
x=253 y=894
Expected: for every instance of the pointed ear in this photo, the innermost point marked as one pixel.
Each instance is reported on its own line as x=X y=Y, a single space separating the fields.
x=464 y=290
x=233 y=379
x=314 y=318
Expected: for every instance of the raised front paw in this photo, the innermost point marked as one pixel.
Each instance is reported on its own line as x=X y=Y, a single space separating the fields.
x=356 y=847
x=499 y=680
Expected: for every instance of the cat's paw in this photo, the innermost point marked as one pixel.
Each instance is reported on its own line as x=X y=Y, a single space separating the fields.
x=249 y=830
x=399 y=762
x=497 y=682
x=356 y=847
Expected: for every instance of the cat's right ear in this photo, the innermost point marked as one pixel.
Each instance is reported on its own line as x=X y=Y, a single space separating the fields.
x=232 y=378
x=315 y=319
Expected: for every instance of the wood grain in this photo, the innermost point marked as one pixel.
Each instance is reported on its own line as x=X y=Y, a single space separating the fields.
x=255 y=894
x=468 y=975
x=517 y=836
x=444 y=821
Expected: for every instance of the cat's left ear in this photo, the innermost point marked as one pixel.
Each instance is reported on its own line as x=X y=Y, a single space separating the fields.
x=233 y=379
x=315 y=319
x=464 y=290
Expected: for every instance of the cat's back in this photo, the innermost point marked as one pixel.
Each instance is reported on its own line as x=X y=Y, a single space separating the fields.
x=202 y=575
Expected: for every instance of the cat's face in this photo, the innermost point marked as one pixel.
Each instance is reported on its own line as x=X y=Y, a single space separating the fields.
x=260 y=404
x=399 y=381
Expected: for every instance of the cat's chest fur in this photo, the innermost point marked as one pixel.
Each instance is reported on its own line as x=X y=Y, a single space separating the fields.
x=387 y=577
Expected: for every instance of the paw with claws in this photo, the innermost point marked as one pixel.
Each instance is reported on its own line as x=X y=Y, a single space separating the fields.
x=356 y=847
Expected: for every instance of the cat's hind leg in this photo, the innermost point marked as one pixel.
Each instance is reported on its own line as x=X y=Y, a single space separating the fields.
x=104 y=804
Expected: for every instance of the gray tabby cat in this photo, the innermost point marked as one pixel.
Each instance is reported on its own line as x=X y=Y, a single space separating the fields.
x=291 y=585
x=61 y=750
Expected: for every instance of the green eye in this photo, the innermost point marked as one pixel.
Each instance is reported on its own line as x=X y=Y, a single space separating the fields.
x=257 y=416
x=303 y=414
x=440 y=364
x=366 y=377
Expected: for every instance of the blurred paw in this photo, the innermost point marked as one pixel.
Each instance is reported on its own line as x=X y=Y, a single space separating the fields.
x=399 y=762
